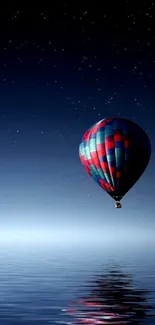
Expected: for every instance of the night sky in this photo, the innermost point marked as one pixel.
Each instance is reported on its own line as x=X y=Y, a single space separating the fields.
x=61 y=70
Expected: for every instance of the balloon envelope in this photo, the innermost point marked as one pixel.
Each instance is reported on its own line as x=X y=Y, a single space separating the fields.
x=115 y=153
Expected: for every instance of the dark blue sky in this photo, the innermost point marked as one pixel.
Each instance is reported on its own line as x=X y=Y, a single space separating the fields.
x=62 y=70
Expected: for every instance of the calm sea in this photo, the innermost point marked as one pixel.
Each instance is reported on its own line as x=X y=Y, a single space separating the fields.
x=77 y=284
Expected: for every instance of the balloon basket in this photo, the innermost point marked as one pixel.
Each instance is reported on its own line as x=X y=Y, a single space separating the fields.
x=118 y=205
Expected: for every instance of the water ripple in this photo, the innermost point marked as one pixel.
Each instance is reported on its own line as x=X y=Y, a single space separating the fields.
x=53 y=286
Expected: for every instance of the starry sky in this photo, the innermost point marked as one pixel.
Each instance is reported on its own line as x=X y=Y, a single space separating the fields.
x=61 y=70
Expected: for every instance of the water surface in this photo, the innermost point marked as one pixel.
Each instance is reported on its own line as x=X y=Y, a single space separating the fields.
x=77 y=284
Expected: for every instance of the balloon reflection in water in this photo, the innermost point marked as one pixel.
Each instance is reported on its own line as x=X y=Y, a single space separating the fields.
x=113 y=300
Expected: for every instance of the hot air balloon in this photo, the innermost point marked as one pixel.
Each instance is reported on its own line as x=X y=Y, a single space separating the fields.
x=115 y=152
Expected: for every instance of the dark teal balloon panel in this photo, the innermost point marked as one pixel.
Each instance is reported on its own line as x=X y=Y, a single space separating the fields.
x=115 y=153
